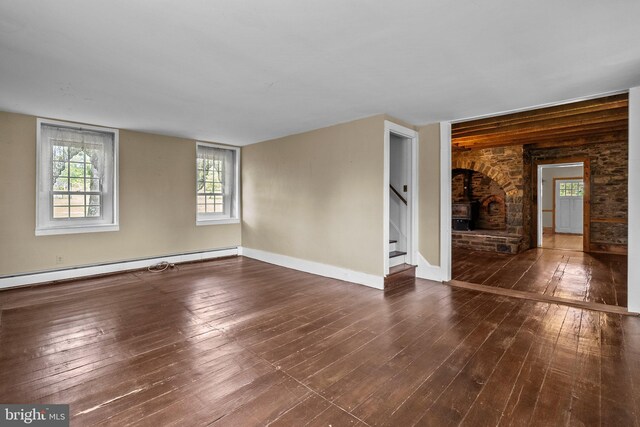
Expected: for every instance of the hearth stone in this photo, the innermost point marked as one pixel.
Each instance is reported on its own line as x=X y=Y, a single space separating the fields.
x=485 y=240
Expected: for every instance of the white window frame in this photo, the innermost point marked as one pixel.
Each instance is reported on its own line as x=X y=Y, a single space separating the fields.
x=75 y=225
x=217 y=219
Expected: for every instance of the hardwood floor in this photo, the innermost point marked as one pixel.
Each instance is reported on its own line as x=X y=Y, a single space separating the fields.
x=238 y=342
x=580 y=276
x=562 y=241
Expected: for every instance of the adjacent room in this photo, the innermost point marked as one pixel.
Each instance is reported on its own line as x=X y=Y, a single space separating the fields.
x=319 y=213
x=540 y=201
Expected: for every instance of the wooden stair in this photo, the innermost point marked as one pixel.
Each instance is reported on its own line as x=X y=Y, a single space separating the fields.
x=394 y=254
x=396 y=257
x=400 y=275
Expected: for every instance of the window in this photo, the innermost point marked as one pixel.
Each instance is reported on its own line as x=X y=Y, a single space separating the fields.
x=217 y=186
x=77 y=179
x=572 y=189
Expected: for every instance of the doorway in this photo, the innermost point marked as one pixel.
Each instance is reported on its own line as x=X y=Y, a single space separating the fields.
x=562 y=205
x=400 y=190
x=593 y=272
x=568 y=201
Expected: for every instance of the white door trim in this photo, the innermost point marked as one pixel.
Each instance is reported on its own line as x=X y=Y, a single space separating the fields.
x=412 y=194
x=445 y=200
x=539 y=196
x=633 y=280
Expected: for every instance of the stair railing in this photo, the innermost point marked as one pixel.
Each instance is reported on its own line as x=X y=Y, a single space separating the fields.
x=397 y=193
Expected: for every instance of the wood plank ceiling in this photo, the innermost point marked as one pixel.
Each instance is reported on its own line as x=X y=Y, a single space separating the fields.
x=578 y=123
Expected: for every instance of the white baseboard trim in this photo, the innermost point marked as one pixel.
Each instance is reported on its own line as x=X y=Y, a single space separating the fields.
x=92 y=270
x=428 y=271
x=313 y=267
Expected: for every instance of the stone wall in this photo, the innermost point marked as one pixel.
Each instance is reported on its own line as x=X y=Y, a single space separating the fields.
x=491 y=241
x=609 y=189
x=506 y=166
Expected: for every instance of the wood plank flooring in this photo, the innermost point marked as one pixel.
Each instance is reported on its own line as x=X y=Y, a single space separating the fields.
x=600 y=278
x=552 y=240
x=238 y=342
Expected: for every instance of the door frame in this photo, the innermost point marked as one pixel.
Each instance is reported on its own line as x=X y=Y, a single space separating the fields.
x=553 y=210
x=412 y=193
x=538 y=165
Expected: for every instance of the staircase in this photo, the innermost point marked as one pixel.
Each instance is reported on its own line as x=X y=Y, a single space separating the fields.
x=400 y=273
x=396 y=257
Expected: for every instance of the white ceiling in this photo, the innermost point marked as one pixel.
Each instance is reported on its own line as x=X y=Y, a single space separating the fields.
x=243 y=71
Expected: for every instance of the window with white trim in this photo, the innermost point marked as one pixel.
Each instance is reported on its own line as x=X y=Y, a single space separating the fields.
x=77 y=178
x=217 y=184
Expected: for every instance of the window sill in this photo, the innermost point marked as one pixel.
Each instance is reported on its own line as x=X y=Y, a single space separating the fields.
x=77 y=230
x=217 y=221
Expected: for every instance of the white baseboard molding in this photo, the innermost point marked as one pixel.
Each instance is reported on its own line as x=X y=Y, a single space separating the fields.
x=313 y=267
x=428 y=271
x=92 y=270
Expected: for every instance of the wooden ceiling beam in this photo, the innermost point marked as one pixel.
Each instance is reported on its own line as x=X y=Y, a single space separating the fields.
x=604 y=138
x=552 y=132
x=551 y=123
x=576 y=141
x=597 y=120
x=618 y=131
x=505 y=124
x=606 y=103
x=502 y=121
x=593 y=128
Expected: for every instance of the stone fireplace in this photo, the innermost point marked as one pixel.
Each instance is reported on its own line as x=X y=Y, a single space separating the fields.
x=487 y=199
x=492 y=181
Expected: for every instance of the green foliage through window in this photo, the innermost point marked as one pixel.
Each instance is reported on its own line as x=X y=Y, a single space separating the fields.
x=210 y=185
x=76 y=184
x=571 y=189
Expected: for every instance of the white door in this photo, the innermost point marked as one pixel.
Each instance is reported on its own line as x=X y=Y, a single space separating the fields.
x=569 y=205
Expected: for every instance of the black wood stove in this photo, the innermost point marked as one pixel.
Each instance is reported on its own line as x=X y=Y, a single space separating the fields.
x=463 y=214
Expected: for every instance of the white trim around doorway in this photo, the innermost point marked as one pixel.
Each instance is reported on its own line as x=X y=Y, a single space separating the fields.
x=412 y=194
x=445 y=201
x=633 y=280
x=541 y=167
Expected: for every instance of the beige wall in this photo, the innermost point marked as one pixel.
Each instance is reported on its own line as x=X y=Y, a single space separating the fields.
x=317 y=196
x=157 y=205
x=400 y=122
x=429 y=188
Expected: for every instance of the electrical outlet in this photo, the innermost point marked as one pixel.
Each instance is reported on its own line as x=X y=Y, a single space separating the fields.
x=59 y=259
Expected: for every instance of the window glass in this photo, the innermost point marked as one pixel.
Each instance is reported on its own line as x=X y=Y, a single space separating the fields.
x=76 y=178
x=216 y=183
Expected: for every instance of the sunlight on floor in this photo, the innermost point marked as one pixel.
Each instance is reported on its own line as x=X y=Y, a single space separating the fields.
x=562 y=241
